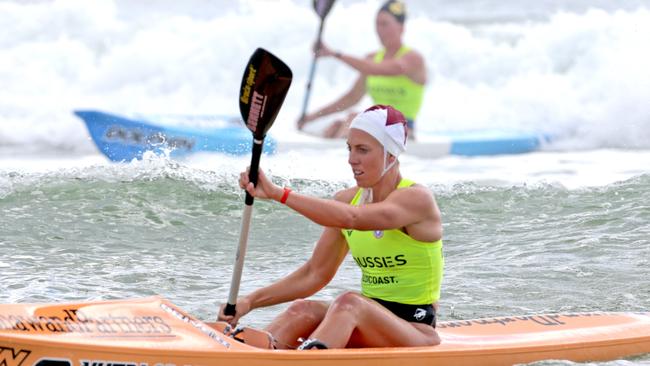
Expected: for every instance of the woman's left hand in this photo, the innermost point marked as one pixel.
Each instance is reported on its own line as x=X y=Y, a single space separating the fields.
x=264 y=189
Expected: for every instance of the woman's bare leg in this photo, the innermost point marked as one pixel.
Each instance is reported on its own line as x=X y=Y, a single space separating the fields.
x=339 y=128
x=332 y=130
x=355 y=320
x=299 y=320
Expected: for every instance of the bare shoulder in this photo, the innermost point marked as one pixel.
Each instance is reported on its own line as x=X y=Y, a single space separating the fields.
x=346 y=195
x=414 y=58
x=414 y=54
x=416 y=196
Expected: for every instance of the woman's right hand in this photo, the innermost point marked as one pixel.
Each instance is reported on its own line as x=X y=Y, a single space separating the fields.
x=264 y=189
x=242 y=308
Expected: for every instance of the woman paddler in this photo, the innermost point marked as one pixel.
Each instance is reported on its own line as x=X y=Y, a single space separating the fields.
x=392 y=227
x=395 y=75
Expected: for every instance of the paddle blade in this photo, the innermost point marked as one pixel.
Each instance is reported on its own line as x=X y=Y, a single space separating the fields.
x=265 y=83
x=323 y=7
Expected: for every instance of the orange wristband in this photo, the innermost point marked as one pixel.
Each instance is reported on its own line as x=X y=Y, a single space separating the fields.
x=285 y=195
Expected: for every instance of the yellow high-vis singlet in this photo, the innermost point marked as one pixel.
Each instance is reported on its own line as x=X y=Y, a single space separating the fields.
x=394 y=266
x=398 y=91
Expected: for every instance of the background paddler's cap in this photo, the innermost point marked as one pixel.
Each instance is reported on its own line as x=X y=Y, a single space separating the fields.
x=396 y=9
x=386 y=124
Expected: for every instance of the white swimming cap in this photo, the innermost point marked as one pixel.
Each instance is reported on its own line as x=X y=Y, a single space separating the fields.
x=386 y=124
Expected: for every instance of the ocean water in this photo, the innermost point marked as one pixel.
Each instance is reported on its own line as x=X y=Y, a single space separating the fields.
x=560 y=230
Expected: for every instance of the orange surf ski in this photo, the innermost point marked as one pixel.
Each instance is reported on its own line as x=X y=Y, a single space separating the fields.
x=154 y=332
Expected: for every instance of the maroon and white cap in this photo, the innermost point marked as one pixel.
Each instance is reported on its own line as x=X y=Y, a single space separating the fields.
x=386 y=124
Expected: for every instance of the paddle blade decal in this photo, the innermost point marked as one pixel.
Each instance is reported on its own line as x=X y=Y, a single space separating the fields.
x=323 y=7
x=264 y=86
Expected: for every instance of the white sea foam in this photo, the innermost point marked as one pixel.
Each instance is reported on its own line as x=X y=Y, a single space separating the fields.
x=580 y=73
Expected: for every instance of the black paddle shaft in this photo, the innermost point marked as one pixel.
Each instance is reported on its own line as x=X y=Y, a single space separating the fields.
x=255 y=166
x=322 y=8
x=230 y=309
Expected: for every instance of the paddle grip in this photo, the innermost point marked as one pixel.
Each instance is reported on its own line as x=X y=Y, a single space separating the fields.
x=255 y=166
x=230 y=309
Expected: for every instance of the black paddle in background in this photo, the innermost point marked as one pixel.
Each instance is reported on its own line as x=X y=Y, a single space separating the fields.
x=322 y=8
x=265 y=83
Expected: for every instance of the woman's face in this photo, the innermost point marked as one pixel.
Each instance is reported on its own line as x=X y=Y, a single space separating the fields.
x=388 y=29
x=366 y=157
